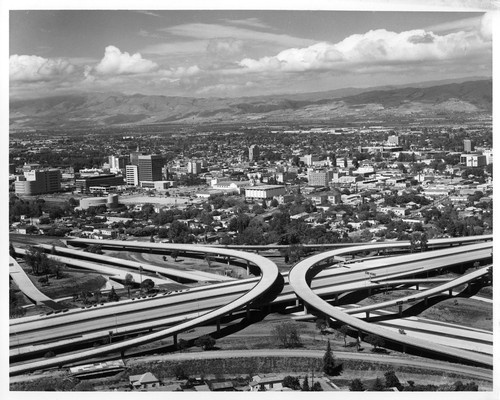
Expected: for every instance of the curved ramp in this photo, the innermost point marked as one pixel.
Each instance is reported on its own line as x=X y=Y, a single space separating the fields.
x=269 y=276
x=299 y=282
x=24 y=283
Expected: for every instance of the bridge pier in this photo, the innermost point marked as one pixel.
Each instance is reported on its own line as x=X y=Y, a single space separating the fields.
x=425 y=300
x=247 y=311
x=248 y=267
x=400 y=310
x=218 y=325
x=305 y=308
x=417 y=286
x=450 y=292
x=367 y=316
x=336 y=299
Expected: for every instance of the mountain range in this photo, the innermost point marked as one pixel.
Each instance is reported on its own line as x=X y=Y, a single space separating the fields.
x=425 y=100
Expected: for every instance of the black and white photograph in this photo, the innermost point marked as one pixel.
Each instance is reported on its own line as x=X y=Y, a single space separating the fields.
x=265 y=197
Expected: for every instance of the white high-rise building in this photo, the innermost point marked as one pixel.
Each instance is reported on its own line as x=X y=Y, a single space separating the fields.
x=116 y=164
x=132 y=175
x=194 y=167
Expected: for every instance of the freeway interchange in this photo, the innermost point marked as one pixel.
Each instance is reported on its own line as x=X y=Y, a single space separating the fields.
x=310 y=283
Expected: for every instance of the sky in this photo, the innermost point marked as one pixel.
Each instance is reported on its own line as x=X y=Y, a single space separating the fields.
x=223 y=53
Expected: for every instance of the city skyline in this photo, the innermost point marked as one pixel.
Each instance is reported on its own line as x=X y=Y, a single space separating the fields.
x=231 y=53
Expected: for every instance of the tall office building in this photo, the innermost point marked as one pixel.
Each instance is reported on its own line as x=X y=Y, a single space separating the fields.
x=194 y=167
x=150 y=167
x=132 y=175
x=253 y=152
x=467 y=145
x=38 y=182
x=117 y=163
x=134 y=156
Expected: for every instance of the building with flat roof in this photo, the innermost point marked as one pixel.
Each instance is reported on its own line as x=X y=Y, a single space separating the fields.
x=467 y=145
x=253 y=152
x=264 y=192
x=35 y=182
x=117 y=164
x=84 y=184
x=132 y=175
x=194 y=167
x=150 y=167
x=473 y=160
x=319 y=178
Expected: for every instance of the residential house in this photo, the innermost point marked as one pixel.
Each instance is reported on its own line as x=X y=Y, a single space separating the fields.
x=265 y=383
x=144 y=381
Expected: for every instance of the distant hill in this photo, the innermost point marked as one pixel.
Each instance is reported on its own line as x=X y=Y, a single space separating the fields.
x=113 y=109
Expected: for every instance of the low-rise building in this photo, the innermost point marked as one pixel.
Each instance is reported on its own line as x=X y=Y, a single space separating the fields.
x=144 y=381
x=264 y=192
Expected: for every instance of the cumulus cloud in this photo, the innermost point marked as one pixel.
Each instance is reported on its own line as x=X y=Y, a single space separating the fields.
x=181 y=72
x=376 y=46
x=115 y=62
x=24 y=68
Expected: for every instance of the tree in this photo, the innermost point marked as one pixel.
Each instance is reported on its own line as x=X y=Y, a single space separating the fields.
x=305 y=385
x=375 y=341
x=37 y=260
x=112 y=295
x=316 y=387
x=344 y=330
x=15 y=310
x=180 y=373
x=378 y=386
x=206 y=342
x=288 y=334
x=391 y=380
x=129 y=279
x=356 y=386
x=174 y=254
x=321 y=324
x=56 y=268
x=291 y=382
x=147 y=285
x=328 y=360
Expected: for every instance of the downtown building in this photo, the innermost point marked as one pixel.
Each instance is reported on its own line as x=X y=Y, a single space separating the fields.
x=319 y=178
x=253 y=152
x=38 y=181
x=150 y=167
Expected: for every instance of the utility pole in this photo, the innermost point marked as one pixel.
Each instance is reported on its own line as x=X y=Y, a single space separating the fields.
x=140 y=272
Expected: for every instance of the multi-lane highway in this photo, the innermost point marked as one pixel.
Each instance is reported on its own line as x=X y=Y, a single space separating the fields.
x=122 y=316
x=266 y=282
x=298 y=279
